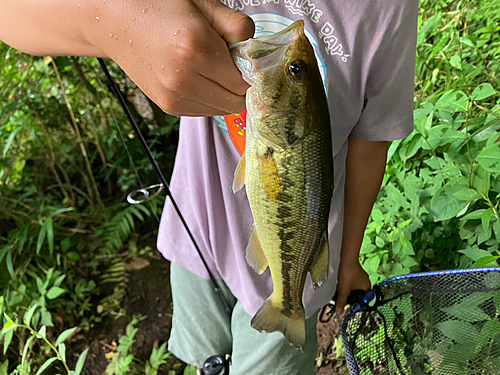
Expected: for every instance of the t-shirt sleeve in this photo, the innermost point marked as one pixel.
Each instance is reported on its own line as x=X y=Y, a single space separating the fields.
x=388 y=111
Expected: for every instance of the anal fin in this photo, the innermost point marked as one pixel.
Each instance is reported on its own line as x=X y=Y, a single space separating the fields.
x=255 y=255
x=319 y=271
x=239 y=175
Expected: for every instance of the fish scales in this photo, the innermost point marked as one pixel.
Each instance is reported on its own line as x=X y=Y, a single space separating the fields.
x=288 y=172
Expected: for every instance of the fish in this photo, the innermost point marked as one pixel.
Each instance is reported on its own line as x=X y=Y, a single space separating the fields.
x=287 y=169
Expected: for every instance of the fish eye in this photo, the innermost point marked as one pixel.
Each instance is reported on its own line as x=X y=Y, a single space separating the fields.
x=297 y=69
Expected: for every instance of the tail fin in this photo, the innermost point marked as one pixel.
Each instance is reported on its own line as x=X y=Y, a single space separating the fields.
x=270 y=319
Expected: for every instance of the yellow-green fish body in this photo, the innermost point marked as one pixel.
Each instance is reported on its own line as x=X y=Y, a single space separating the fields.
x=288 y=172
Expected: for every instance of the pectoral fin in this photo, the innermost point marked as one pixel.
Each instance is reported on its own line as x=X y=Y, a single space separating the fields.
x=239 y=175
x=255 y=255
x=319 y=271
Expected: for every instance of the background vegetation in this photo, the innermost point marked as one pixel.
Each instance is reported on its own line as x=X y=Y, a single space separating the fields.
x=68 y=158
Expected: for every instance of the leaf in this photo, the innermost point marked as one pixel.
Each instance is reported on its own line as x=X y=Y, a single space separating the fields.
x=63 y=336
x=81 y=362
x=55 y=292
x=489 y=158
x=379 y=242
x=46 y=365
x=59 y=280
x=429 y=24
x=444 y=205
x=489 y=330
x=73 y=256
x=11 y=139
x=41 y=238
x=483 y=91
x=461 y=332
x=408 y=150
x=444 y=134
x=478 y=214
x=4 y=368
x=7 y=338
x=29 y=314
x=377 y=216
x=409 y=262
x=50 y=234
x=456 y=61
x=65 y=244
x=492 y=280
x=467 y=41
x=452 y=101
x=404 y=240
x=62 y=351
x=475 y=254
x=4 y=251
x=481 y=180
x=375 y=263
x=405 y=223
x=467 y=195
x=27 y=346
x=489 y=261
x=46 y=318
x=486 y=218
x=10 y=266
x=468 y=309
x=42 y=332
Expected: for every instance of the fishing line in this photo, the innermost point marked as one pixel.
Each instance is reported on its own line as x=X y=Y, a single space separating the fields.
x=116 y=90
x=131 y=160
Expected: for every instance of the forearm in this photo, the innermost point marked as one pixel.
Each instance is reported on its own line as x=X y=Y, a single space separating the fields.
x=49 y=27
x=365 y=168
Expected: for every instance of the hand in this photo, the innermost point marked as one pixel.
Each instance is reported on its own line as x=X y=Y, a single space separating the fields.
x=175 y=50
x=351 y=277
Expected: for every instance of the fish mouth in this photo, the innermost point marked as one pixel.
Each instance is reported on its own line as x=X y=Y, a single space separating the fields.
x=257 y=54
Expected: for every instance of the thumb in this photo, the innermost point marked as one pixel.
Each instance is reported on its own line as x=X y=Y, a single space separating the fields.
x=340 y=305
x=232 y=25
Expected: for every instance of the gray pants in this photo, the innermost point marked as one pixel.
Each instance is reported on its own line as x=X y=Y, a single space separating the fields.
x=202 y=328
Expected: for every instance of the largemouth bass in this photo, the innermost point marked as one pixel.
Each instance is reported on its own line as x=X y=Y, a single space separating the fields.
x=287 y=168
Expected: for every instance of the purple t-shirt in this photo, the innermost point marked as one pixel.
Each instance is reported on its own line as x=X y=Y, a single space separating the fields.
x=366 y=55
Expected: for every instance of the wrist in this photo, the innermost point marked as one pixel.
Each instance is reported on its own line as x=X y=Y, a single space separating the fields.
x=349 y=264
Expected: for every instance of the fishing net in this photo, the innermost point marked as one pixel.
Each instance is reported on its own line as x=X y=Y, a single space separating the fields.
x=439 y=323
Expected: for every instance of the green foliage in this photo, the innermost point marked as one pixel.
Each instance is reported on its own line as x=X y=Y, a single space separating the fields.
x=124 y=360
x=67 y=159
x=438 y=206
x=57 y=349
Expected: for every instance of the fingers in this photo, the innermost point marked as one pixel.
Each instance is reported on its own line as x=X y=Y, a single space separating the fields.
x=178 y=105
x=202 y=50
x=196 y=88
x=232 y=25
x=194 y=109
x=178 y=54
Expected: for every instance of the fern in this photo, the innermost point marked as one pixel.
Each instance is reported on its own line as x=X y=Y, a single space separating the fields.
x=116 y=273
x=121 y=226
x=122 y=361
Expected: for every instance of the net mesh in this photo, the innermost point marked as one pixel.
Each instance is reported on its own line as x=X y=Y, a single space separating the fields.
x=440 y=323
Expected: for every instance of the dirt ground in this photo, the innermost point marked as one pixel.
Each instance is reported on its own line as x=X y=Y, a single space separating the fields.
x=148 y=294
x=330 y=360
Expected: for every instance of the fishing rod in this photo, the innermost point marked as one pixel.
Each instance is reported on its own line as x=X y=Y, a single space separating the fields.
x=163 y=182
